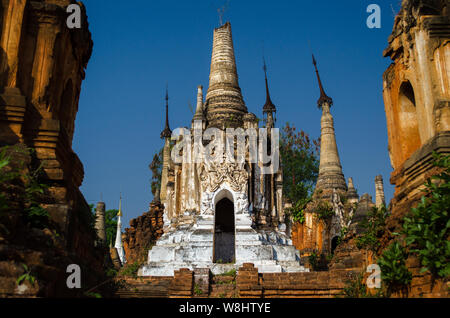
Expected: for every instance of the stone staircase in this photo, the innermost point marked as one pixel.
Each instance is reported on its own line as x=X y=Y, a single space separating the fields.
x=220 y=286
x=143 y=287
x=223 y=287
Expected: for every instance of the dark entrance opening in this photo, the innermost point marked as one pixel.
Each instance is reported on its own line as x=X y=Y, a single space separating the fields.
x=334 y=243
x=224 y=232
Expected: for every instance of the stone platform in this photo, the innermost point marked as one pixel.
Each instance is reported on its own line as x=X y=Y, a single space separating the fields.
x=192 y=247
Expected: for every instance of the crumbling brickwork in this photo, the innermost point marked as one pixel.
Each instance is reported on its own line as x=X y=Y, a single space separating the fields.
x=42 y=66
x=143 y=233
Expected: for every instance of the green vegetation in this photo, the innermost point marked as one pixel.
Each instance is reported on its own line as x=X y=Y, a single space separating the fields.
x=26 y=277
x=426 y=228
x=92 y=295
x=356 y=288
x=425 y=233
x=394 y=272
x=373 y=227
x=197 y=290
x=313 y=260
x=111 y=272
x=298 y=210
x=300 y=164
x=323 y=211
x=110 y=222
x=156 y=169
x=231 y=272
x=18 y=174
x=342 y=234
x=130 y=270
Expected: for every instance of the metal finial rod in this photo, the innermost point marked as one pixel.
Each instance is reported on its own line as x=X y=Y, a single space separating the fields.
x=166 y=132
x=268 y=106
x=323 y=96
x=167 y=105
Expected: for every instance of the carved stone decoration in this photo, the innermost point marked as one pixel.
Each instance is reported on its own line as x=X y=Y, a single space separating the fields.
x=241 y=204
x=212 y=175
x=338 y=208
x=193 y=215
x=207 y=207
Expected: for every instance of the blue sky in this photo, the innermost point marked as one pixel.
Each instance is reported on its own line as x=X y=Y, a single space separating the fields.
x=139 y=45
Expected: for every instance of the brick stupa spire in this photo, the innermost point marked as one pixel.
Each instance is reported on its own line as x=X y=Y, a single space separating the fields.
x=224 y=102
x=330 y=169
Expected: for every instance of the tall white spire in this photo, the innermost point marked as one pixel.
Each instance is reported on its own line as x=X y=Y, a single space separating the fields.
x=118 y=245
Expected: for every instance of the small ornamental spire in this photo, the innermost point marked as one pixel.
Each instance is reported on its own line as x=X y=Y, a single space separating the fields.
x=199 y=110
x=269 y=107
x=118 y=244
x=166 y=133
x=323 y=97
x=379 y=192
x=352 y=195
x=120 y=206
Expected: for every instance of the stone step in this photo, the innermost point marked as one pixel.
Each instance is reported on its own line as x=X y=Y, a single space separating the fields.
x=223 y=279
x=145 y=287
x=222 y=287
x=223 y=291
x=142 y=294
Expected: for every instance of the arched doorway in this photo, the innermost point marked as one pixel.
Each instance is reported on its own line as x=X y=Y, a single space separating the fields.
x=408 y=120
x=334 y=243
x=224 y=232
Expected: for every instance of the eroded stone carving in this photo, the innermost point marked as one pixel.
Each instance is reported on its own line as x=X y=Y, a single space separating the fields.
x=214 y=174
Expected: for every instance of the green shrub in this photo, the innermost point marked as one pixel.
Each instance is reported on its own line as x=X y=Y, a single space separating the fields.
x=111 y=272
x=130 y=269
x=231 y=272
x=297 y=211
x=394 y=272
x=26 y=277
x=426 y=228
x=324 y=211
x=313 y=260
x=356 y=288
x=92 y=295
x=33 y=213
x=373 y=227
x=197 y=290
x=342 y=234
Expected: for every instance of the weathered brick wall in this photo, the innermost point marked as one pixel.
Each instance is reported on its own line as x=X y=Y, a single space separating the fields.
x=40 y=114
x=309 y=235
x=46 y=251
x=291 y=285
x=182 y=284
x=348 y=257
x=248 y=283
x=143 y=233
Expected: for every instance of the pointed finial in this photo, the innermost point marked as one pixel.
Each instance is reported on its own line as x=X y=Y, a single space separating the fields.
x=269 y=107
x=323 y=97
x=120 y=206
x=264 y=66
x=166 y=133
